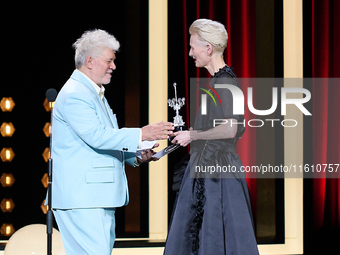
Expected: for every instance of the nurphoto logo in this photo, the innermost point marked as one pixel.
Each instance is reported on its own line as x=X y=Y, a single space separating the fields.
x=239 y=104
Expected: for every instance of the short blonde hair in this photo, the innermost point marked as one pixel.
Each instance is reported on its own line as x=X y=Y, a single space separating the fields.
x=212 y=32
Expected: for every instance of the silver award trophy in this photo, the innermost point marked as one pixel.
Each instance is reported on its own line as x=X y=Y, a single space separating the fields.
x=176 y=104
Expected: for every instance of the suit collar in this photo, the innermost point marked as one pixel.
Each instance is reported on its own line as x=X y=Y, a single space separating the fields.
x=80 y=77
x=83 y=79
x=100 y=90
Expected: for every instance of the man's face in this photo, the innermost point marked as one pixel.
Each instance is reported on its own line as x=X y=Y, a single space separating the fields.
x=103 y=66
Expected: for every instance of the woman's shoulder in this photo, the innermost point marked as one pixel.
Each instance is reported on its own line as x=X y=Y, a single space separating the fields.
x=225 y=75
x=225 y=71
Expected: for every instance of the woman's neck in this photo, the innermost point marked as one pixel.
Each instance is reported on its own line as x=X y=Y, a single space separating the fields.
x=216 y=63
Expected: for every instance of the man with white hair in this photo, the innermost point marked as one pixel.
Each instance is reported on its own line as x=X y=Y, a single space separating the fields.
x=89 y=150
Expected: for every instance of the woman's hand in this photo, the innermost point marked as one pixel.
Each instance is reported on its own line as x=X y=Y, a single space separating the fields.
x=183 y=137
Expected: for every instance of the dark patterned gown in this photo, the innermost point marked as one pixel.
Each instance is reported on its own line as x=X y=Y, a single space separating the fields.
x=212 y=213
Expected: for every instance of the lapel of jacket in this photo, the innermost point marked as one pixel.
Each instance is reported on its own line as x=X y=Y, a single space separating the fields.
x=102 y=103
x=110 y=113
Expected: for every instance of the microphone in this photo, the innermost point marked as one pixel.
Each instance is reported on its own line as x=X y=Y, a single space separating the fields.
x=51 y=95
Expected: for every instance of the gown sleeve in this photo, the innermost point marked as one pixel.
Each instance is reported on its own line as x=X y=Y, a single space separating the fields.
x=225 y=110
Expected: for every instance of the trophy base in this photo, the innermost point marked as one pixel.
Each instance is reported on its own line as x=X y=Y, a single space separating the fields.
x=178 y=128
x=181 y=128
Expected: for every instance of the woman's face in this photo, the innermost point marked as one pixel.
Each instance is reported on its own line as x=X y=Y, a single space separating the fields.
x=198 y=51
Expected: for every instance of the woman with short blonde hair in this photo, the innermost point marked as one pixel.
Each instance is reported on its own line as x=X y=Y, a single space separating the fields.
x=212 y=213
x=211 y=32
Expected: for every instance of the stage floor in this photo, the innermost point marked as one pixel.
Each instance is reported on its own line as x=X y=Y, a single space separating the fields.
x=129 y=251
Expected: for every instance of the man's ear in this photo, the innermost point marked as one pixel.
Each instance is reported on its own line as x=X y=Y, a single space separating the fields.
x=89 y=62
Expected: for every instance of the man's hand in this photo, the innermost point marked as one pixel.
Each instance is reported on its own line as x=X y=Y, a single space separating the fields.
x=147 y=155
x=157 y=131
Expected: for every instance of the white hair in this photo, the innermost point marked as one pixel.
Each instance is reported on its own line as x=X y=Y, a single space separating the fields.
x=212 y=32
x=92 y=43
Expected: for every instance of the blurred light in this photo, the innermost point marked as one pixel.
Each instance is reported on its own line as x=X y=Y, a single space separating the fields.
x=7 y=154
x=7 y=129
x=44 y=207
x=31 y=240
x=7 y=104
x=44 y=180
x=7 y=205
x=46 y=154
x=7 y=229
x=47 y=129
x=48 y=105
x=7 y=180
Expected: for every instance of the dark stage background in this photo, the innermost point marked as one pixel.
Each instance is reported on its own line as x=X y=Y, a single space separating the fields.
x=321 y=134
x=37 y=54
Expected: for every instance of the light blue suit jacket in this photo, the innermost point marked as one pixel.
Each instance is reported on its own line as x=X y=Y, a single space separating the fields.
x=89 y=151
